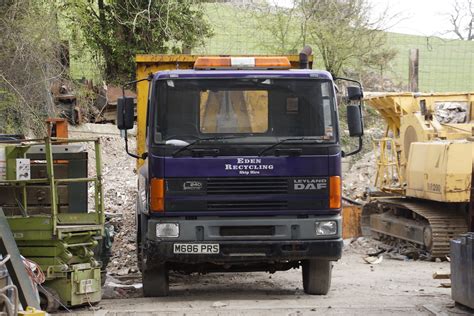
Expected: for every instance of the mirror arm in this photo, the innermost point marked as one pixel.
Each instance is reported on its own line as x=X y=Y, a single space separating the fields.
x=126 y=84
x=359 y=148
x=144 y=155
x=347 y=79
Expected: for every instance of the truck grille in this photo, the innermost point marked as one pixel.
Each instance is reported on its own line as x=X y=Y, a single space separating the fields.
x=260 y=185
x=246 y=205
x=237 y=231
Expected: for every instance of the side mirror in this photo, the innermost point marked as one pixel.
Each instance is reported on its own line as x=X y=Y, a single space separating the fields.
x=354 y=93
x=354 y=121
x=125 y=113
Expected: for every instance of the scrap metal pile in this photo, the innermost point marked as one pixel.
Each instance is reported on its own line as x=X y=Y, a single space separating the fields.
x=81 y=102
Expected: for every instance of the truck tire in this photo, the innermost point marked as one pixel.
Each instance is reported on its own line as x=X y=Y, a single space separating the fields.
x=139 y=242
x=155 y=281
x=141 y=224
x=316 y=276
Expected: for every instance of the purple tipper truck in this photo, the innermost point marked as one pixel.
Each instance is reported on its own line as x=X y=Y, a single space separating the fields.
x=242 y=170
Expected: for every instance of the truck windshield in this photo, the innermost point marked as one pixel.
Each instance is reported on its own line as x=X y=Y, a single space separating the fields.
x=201 y=108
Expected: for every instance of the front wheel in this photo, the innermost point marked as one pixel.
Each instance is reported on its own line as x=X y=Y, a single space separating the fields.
x=155 y=281
x=316 y=276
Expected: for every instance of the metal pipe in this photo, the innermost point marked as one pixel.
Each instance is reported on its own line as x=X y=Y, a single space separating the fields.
x=72 y=180
x=30 y=181
x=351 y=201
x=75 y=234
x=4 y=260
x=13 y=306
x=99 y=190
x=91 y=243
x=52 y=183
x=304 y=57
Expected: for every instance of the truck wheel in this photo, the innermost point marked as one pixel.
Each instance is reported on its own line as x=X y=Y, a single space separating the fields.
x=141 y=222
x=155 y=281
x=316 y=276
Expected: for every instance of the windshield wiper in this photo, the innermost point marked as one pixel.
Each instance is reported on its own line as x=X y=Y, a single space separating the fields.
x=303 y=138
x=199 y=140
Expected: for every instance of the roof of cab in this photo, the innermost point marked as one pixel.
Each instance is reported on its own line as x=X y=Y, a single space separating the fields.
x=250 y=73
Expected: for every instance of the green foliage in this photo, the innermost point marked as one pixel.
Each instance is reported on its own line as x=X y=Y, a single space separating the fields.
x=119 y=29
x=345 y=39
x=8 y=124
x=29 y=51
x=344 y=34
x=282 y=24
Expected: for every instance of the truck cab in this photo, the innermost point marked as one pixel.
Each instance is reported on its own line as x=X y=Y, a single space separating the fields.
x=242 y=171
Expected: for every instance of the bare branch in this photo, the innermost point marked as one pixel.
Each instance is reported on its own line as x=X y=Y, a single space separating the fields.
x=461 y=19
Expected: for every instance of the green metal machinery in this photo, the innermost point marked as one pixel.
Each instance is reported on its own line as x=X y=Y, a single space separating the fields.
x=55 y=210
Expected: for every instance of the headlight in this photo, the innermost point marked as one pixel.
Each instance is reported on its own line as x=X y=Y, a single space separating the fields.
x=167 y=230
x=324 y=228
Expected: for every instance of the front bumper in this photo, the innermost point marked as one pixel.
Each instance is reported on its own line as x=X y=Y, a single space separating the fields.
x=283 y=239
x=249 y=251
x=210 y=229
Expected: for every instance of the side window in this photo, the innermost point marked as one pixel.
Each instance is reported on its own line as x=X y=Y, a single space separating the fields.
x=148 y=109
x=326 y=99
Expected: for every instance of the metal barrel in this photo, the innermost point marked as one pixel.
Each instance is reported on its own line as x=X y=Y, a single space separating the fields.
x=462 y=269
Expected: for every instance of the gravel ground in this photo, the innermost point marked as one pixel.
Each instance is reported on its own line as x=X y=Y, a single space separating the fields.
x=392 y=287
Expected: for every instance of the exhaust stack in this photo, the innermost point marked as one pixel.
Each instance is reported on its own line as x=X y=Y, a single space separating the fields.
x=304 y=57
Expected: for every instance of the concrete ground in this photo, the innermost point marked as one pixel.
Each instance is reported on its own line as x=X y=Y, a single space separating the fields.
x=391 y=287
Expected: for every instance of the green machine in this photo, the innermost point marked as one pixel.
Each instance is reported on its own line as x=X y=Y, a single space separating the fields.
x=55 y=210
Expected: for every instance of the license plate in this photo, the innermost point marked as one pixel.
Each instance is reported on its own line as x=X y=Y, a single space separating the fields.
x=196 y=248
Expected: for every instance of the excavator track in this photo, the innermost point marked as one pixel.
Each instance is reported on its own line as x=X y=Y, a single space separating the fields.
x=431 y=225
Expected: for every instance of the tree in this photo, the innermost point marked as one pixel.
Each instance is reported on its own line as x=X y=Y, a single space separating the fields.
x=281 y=23
x=30 y=62
x=119 y=29
x=462 y=19
x=346 y=37
x=344 y=33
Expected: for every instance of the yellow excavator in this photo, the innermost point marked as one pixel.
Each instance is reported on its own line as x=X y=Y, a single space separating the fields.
x=424 y=169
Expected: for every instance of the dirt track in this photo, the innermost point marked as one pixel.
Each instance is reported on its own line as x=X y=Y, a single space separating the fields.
x=390 y=288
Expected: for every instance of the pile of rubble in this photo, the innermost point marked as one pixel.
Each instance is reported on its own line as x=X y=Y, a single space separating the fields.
x=120 y=201
x=387 y=247
x=360 y=176
x=120 y=187
x=451 y=112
